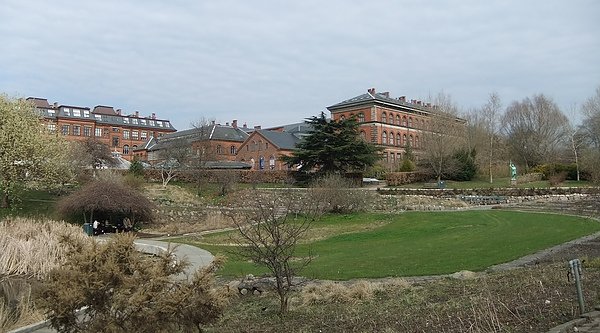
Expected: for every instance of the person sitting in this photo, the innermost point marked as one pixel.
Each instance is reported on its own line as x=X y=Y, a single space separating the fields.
x=96 y=226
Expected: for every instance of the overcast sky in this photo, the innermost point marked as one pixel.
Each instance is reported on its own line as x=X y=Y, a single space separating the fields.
x=276 y=62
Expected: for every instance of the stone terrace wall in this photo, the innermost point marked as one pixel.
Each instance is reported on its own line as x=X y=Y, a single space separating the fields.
x=506 y=192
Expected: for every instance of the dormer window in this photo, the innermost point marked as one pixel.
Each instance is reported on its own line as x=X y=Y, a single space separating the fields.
x=134 y=121
x=143 y=121
x=125 y=120
x=76 y=113
x=67 y=112
x=86 y=113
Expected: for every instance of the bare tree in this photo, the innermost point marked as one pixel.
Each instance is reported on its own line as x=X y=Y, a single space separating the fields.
x=590 y=131
x=93 y=154
x=490 y=113
x=576 y=139
x=444 y=135
x=107 y=200
x=535 y=129
x=174 y=154
x=270 y=231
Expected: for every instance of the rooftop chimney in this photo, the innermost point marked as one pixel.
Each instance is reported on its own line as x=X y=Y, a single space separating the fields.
x=371 y=91
x=234 y=123
x=402 y=98
x=137 y=114
x=245 y=125
x=212 y=122
x=153 y=115
x=257 y=127
x=55 y=104
x=227 y=124
x=386 y=94
x=418 y=102
x=118 y=111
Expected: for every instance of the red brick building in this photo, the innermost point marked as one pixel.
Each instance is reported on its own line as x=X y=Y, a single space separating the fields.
x=214 y=142
x=122 y=133
x=264 y=148
x=391 y=123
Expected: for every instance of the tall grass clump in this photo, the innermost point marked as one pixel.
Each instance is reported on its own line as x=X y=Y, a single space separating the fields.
x=31 y=248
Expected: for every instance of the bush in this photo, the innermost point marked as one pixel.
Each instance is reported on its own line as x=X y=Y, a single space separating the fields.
x=407 y=166
x=465 y=167
x=552 y=169
x=124 y=291
x=340 y=195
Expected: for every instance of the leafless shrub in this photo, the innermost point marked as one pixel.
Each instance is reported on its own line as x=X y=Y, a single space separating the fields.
x=339 y=195
x=269 y=231
x=557 y=178
x=108 y=198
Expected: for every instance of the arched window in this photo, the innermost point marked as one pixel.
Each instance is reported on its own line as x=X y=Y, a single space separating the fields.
x=361 y=117
x=261 y=162
x=254 y=146
x=404 y=121
x=398 y=120
x=384 y=117
x=410 y=123
x=272 y=162
x=126 y=150
x=260 y=145
x=232 y=150
x=391 y=119
x=422 y=124
x=391 y=138
x=219 y=149
x=417 y=141
x=412 y=142
x=363 y=135
x=404 y=139
x=384 y=138
x=398 y=140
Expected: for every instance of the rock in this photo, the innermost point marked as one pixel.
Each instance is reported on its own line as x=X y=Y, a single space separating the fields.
x=464 y=275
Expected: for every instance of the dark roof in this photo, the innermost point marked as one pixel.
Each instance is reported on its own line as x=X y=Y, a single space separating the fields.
x=210 y=132
x=283 y=140
x=227 y=133
x=103 y=109
x=101 y=114
x=372 y=96
x=40 y=102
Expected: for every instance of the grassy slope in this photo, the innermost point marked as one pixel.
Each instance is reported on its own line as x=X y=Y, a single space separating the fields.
x=420 y=243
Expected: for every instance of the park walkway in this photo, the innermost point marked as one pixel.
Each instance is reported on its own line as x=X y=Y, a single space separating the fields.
x=195 y=257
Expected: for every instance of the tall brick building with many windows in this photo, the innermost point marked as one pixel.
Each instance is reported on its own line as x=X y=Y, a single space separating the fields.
x=122 y=133
x=391 y=123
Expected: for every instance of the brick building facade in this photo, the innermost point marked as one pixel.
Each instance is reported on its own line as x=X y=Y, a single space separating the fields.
x=122 y=133
x=391 y=123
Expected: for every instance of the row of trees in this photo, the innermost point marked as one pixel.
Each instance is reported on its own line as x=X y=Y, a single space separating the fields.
x=534 y=132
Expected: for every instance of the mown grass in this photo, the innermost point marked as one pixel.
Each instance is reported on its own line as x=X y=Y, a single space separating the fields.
x=33 y=203
x=416 y=243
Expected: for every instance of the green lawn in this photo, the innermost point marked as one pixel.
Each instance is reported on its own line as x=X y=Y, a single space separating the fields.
x=34 y=203
x=418 y=243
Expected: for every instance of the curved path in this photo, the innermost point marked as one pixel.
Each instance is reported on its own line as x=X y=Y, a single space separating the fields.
x=196 y=258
